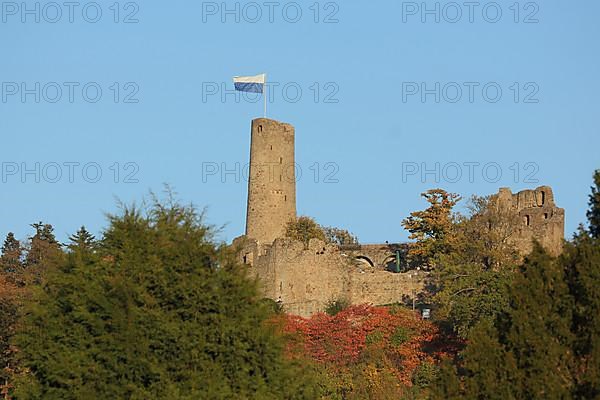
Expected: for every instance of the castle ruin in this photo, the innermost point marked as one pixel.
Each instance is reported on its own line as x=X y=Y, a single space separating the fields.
x=305 y=278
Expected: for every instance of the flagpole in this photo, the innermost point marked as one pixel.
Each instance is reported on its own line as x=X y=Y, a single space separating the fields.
x=265 y=95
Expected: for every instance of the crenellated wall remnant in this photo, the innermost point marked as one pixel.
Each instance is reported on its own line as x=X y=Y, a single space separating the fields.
x=305 y=277
x=540 y=218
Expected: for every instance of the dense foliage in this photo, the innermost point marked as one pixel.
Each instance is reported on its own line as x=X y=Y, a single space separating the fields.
x=306 y=228
x=546 y=343
x=432 y=228
x=365 y=352
x=155 y=310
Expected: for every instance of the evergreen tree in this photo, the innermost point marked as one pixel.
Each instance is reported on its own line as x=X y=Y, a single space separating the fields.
x=582 y=263
x=581 y=259
x=10 y=260
x=160 y=312
x=43 y=245
x=593 y=213
x=526 y=353
x=82 y=241
x=11 y=297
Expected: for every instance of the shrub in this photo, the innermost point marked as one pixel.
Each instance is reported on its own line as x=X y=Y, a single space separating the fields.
x=374 y=337
x=425 y=374
x=400 y=336
x=336 y=305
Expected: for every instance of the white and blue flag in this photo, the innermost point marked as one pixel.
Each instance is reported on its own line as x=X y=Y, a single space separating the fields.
x=252 y=84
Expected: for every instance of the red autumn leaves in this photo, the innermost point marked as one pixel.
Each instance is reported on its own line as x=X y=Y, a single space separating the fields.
x=346 y=338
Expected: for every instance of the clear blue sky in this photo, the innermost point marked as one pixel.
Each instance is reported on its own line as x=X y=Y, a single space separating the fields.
x=367 y=61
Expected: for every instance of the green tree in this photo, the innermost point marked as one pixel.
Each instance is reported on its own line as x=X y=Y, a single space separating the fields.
x=82 y=241
x=11 y=261
x=432 y=228
x=160 y=312
x=593 y=213
x=43 y=245
x=526 y=352
x=303 y=229
x=472 y=280
x=339 y=236
x=581 y=260
x=11 y=293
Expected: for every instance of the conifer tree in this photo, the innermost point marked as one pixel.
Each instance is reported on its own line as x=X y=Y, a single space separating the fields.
x=43 y=244
x=526 y=352
x=82 y=241
x=160 y=312
x=10 y=260
x=593 y=213
x=582 y=263
x=11 y=296
x=581 y=259
x=539 y=335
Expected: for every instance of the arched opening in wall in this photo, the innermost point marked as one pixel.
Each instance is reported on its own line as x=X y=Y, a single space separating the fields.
x=259 y=128
x=545 y=215
x=271 y=147
x=366 y=260
x=527 y=220
x=390 y=264
x=280 y=160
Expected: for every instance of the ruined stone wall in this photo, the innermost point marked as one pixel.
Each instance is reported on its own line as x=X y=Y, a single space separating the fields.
x=305 y=278
x=272 y=180
x=539 y=217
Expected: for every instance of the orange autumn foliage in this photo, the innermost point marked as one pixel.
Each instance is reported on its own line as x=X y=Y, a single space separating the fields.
x=343 y=340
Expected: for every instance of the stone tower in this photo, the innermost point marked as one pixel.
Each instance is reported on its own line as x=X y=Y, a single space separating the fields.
x=272 y=180
x=540 y=218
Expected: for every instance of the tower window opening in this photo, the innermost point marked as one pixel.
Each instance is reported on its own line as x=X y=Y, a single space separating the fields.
x=260 y=128
x=271 y=147
x=543 y=198
x=280 y=160
x=527 y=220
x=545 y=215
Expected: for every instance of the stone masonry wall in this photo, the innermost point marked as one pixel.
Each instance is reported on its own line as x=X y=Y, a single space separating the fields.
x=272 y=180
x=305 y=278
x=539 y=217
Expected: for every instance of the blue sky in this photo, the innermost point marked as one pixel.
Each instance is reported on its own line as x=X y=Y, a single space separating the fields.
x=361 y=120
